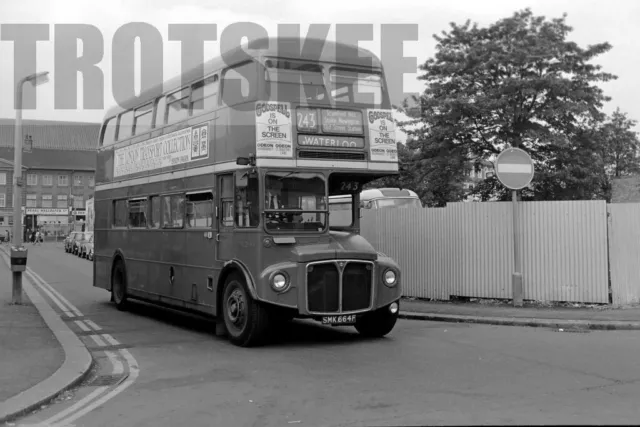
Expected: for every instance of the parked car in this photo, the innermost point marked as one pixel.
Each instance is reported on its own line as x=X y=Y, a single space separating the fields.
x=68 y=241
x=86 y=248
x=79 y=239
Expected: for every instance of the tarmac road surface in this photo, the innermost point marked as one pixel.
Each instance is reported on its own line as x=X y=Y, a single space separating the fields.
x=423 y=373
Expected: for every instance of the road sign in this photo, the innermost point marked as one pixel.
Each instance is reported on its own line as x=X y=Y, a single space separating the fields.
x=514 y=168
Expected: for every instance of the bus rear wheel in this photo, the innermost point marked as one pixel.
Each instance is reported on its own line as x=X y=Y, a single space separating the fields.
x=378 y=323
x=245 y=319
x=119 y=285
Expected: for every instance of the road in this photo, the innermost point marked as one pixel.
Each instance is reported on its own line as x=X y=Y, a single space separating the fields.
x=423 y=373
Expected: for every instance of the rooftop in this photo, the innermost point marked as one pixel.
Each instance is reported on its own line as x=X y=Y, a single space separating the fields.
x=53 y=135
x=80 y=160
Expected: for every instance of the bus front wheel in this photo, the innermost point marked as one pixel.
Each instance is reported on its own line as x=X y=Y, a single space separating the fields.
x=245 y=319
x=119 y=285
x=377 y=323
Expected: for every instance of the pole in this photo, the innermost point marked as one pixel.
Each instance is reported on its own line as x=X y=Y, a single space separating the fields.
x=17 y=191
x=516 y=278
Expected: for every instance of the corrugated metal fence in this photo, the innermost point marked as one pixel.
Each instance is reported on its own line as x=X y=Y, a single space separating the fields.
x=466 y=249
x=624 y=252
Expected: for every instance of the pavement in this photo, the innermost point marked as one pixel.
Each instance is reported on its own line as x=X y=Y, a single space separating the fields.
x=594 y=317
x=40 y=357
x=34 y=371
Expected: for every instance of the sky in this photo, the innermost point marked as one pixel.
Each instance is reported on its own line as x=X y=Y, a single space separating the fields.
x=613 y=21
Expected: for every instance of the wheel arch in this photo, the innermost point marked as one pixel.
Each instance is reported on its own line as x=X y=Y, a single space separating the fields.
x=234 y=266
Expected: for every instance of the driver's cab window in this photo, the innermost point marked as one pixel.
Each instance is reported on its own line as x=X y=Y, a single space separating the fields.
x=295 y=201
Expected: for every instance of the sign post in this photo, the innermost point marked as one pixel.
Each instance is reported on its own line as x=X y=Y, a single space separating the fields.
x=514 y=169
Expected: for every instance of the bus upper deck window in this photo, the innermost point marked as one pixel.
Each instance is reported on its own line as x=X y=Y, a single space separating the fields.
x=109 y=132
x=204 y=96
x=355 y=86
x=177 y=106
x=125 y=125
x=239 y=83
x=143 y=119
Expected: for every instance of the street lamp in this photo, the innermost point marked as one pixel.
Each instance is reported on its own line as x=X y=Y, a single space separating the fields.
x=18 y=251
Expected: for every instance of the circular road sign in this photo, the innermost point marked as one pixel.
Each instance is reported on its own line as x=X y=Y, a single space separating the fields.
x=514 y=168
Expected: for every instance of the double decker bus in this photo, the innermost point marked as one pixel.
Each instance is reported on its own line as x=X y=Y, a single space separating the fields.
x=212 y=192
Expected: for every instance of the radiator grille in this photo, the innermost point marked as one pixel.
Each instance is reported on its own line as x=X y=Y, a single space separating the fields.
x=356 y=286
x=331 y=290
x=323 y=290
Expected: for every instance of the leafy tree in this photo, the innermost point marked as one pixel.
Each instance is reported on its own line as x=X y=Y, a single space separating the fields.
x=520 y=83
x=620 y=145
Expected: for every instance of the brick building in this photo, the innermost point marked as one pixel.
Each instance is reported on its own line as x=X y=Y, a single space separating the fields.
x=58 y=172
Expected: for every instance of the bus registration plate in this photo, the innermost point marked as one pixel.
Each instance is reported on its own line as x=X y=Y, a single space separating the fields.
x=339 y=320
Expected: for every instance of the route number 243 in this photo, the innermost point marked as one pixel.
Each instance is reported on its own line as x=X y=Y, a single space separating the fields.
x=349 y=186
x=307 y=120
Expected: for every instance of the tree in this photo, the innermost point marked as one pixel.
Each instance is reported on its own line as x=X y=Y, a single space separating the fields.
x=620 y=145
x=516 y=83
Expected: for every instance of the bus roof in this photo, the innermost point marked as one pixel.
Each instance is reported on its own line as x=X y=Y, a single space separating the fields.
x=376 y=193
x=281 y=47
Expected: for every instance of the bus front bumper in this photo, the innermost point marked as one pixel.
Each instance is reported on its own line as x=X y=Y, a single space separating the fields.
x=332 y=288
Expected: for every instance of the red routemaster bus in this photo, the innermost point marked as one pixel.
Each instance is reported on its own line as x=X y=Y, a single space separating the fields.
x=212 y=192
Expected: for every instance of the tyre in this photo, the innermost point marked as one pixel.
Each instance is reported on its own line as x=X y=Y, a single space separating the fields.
x=377 y=323
x=119 y=285
x=246 y=320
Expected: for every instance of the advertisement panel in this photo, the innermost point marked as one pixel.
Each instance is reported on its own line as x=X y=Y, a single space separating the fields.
x=273 y=130
x=175 y=148
x=382 y=136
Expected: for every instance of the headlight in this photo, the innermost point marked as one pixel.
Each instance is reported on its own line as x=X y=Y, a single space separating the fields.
x=389 y=277
x=279 y=281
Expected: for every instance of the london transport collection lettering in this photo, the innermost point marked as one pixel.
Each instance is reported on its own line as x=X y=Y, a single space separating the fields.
x=166 y=150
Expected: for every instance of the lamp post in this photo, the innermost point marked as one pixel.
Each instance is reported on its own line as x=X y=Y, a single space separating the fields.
x=18 y=251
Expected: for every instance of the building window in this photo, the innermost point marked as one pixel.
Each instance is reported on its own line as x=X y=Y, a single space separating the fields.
x=62 y=201
x=47 y=180
x=78 y=202
x=32 y=179
x=3 y=200
x=77 y=181
x=92 y=181
x=31 y=200
x=46 y=200
x=63 y=180
x=3 y=178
